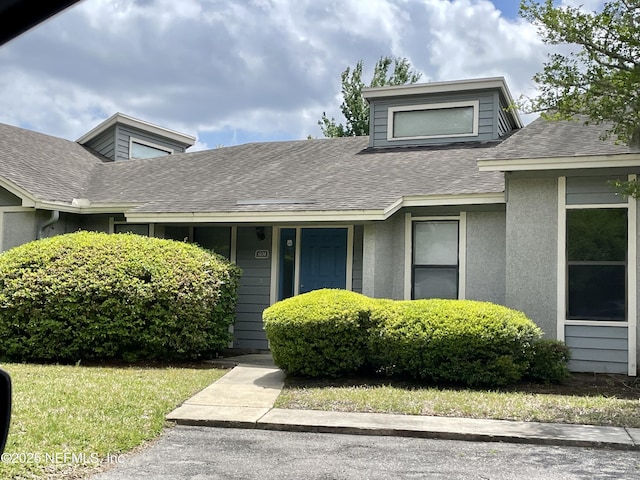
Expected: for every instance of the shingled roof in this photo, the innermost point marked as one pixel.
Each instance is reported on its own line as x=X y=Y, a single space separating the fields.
x=43 y=167
x=331 y=175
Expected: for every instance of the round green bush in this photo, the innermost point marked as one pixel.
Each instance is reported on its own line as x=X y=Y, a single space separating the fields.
x=320 y=333
x=549 y=361
x=460 y=341
x=97 y=296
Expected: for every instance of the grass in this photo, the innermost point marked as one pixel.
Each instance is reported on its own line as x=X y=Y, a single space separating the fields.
x=583 y=399
x=93 y=413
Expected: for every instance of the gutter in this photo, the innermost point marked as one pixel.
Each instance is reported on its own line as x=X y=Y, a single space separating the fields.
x=55 y=216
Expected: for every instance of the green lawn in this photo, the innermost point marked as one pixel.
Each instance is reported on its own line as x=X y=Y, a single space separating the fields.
x=69 y=420
x=603 y=400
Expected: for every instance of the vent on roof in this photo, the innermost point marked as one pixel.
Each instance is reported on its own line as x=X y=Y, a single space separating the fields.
x=275 y=201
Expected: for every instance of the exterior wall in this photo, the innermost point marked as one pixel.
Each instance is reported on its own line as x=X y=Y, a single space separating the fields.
x=531 y=249
x=486 y=261
x=358 y=233
x=94 y=223
x=597 y=348
x=124 y=134
x=487 y=121
x=18 y=228
x=8 y=199
x=104 y=143
x=254 y=293
x=383 y=258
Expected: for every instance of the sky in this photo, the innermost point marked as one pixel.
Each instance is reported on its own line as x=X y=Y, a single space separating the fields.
x=235 y=71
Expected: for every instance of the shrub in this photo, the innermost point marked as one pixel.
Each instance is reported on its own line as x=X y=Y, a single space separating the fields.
x=320 y=333
x=460 y=341
x=97 y=296
x=548 y=362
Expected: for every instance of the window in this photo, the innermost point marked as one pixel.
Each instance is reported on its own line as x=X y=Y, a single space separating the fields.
x=142 y=149
x=597 y=264
x=137 y=228
x=435 y=259
x=459 y=119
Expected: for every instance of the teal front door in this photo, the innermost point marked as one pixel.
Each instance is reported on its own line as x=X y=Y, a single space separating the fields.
x=323 y=258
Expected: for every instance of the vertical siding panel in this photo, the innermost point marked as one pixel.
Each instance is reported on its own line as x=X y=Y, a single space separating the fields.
x=254 y=293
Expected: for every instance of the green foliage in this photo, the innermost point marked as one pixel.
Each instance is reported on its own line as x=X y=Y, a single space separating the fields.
x=601 y=80
x=354 y=107
x=335 y=332
x=92 y=295
x=460 y=341
x=548 y=362
x=320 y=333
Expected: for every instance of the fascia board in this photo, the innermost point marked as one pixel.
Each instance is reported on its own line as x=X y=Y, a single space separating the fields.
x=123 y=119
x=560 y=163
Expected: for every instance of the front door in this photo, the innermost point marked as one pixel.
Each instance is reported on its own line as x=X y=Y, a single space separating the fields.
x=311 y=259
x=323 y=258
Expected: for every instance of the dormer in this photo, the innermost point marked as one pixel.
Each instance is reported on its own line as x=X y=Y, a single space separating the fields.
x=440 y=113
x=121 y=137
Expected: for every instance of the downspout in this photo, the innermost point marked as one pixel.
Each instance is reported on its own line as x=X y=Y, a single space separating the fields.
x=55 y=216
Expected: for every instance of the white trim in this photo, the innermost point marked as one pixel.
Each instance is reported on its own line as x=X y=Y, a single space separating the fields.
x=462 y=253
x=408 y=246
x=139 y=124
x=296 y=263
x=632 y=266
x=561 y=288
x=597 y=205
x=560 y=163
x=349 y=279
x=144 y=143
x=15 y=209
x=475 y=104
x=597 y=323
x=462 y=256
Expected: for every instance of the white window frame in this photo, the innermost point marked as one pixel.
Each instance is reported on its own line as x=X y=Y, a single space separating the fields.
x=462 y=251
x=632 y=265
x=432 y=106
x=113 y=223
x=146 y=143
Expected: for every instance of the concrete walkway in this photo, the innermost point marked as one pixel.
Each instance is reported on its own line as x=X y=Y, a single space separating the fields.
x=244 y=398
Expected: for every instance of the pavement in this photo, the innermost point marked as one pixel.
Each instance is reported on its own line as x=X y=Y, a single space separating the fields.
x=244 y=398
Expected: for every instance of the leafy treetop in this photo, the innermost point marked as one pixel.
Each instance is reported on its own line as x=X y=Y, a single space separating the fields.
x=354 y=107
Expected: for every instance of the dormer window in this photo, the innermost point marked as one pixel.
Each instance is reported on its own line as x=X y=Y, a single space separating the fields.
x=142 y=149
x=435 y=120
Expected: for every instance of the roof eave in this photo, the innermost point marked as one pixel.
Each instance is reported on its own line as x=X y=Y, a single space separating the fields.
x=560 y=163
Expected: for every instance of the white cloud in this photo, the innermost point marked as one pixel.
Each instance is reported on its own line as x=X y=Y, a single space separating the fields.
x=244 y=70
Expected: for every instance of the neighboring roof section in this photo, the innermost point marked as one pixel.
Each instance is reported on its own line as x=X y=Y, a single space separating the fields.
x=38 y=167
x=557 y=145
x=121 y=118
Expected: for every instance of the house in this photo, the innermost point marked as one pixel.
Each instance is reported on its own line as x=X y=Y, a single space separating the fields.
x=450 y=196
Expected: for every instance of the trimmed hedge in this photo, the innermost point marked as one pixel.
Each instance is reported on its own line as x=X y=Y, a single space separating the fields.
x=97 y=296
x=549 y=359
x=460 y=341
x=336 y=332
x=320 y=333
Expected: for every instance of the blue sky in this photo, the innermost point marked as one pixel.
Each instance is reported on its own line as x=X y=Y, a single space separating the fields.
x=232 y=72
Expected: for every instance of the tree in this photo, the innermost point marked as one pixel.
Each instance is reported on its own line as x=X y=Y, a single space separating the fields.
x=354 y=108
x=601 y=78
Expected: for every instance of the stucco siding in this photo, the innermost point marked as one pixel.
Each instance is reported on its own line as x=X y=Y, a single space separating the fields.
x=531 y=249
x=8 y=199
x=18 y=228
x=486 y=262
x=254 y=293
x=383 y=259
